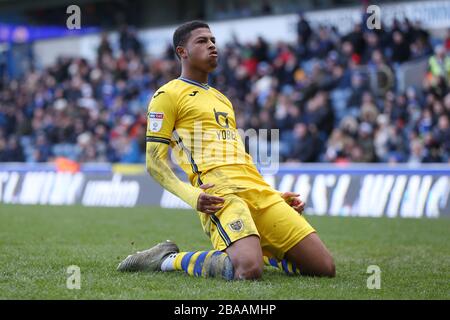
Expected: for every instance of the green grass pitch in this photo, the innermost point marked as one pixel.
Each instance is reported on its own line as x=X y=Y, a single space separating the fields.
x=38 y=243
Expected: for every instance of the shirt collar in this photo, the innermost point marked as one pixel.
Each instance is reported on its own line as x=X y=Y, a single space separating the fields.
x=195 y=83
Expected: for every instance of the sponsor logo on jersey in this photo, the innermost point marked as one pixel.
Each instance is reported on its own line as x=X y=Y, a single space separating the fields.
x=221 y=119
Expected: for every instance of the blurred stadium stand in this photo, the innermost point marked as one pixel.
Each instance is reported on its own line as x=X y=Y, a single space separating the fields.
x=145 y=13
x=337 y=95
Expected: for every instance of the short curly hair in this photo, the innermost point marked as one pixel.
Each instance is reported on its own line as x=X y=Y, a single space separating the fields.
x=182 y=33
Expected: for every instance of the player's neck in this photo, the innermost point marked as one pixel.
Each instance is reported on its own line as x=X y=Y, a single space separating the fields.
x=194 y=75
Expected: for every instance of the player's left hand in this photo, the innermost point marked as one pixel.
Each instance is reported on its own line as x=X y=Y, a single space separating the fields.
x=294 y=201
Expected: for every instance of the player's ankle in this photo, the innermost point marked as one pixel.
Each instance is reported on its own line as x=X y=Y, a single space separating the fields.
x=168 y=264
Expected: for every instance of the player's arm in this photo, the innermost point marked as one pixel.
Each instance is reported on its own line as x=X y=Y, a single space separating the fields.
x=158 y=168
x=162 y=113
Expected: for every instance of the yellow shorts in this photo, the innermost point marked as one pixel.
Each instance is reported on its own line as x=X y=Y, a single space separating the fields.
x=256 y=211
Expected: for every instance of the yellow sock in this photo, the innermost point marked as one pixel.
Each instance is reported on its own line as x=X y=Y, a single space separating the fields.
x=285 y=265
x=202 y=263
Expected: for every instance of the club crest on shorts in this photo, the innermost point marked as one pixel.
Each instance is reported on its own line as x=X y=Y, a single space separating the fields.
x=237 y=225
x=155 y=121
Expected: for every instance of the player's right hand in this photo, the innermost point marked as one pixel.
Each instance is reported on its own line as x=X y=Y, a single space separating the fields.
x=207 y=203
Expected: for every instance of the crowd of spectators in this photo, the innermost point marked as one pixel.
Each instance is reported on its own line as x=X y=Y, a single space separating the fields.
x=334 y=98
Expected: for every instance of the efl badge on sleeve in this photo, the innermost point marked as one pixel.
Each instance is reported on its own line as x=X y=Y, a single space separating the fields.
x=155 y=121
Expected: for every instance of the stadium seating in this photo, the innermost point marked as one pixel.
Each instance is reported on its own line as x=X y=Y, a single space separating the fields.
x=326 y=93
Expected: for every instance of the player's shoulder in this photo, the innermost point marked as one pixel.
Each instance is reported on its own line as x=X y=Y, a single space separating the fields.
x=220 y=95
x=172 y=89
x=166 y=90
x=215 y=90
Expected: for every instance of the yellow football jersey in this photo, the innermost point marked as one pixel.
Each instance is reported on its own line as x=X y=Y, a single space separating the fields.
x=199 y=123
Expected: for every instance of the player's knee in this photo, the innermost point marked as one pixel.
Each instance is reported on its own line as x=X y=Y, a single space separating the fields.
x=251 y=273
x=325 y=268
x=249 y=270
x=329 y=268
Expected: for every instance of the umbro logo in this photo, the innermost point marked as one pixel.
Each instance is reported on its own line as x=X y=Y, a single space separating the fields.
x=193 y=93
x=158 y=93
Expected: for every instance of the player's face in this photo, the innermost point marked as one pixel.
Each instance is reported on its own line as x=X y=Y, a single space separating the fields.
x=201 y=50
